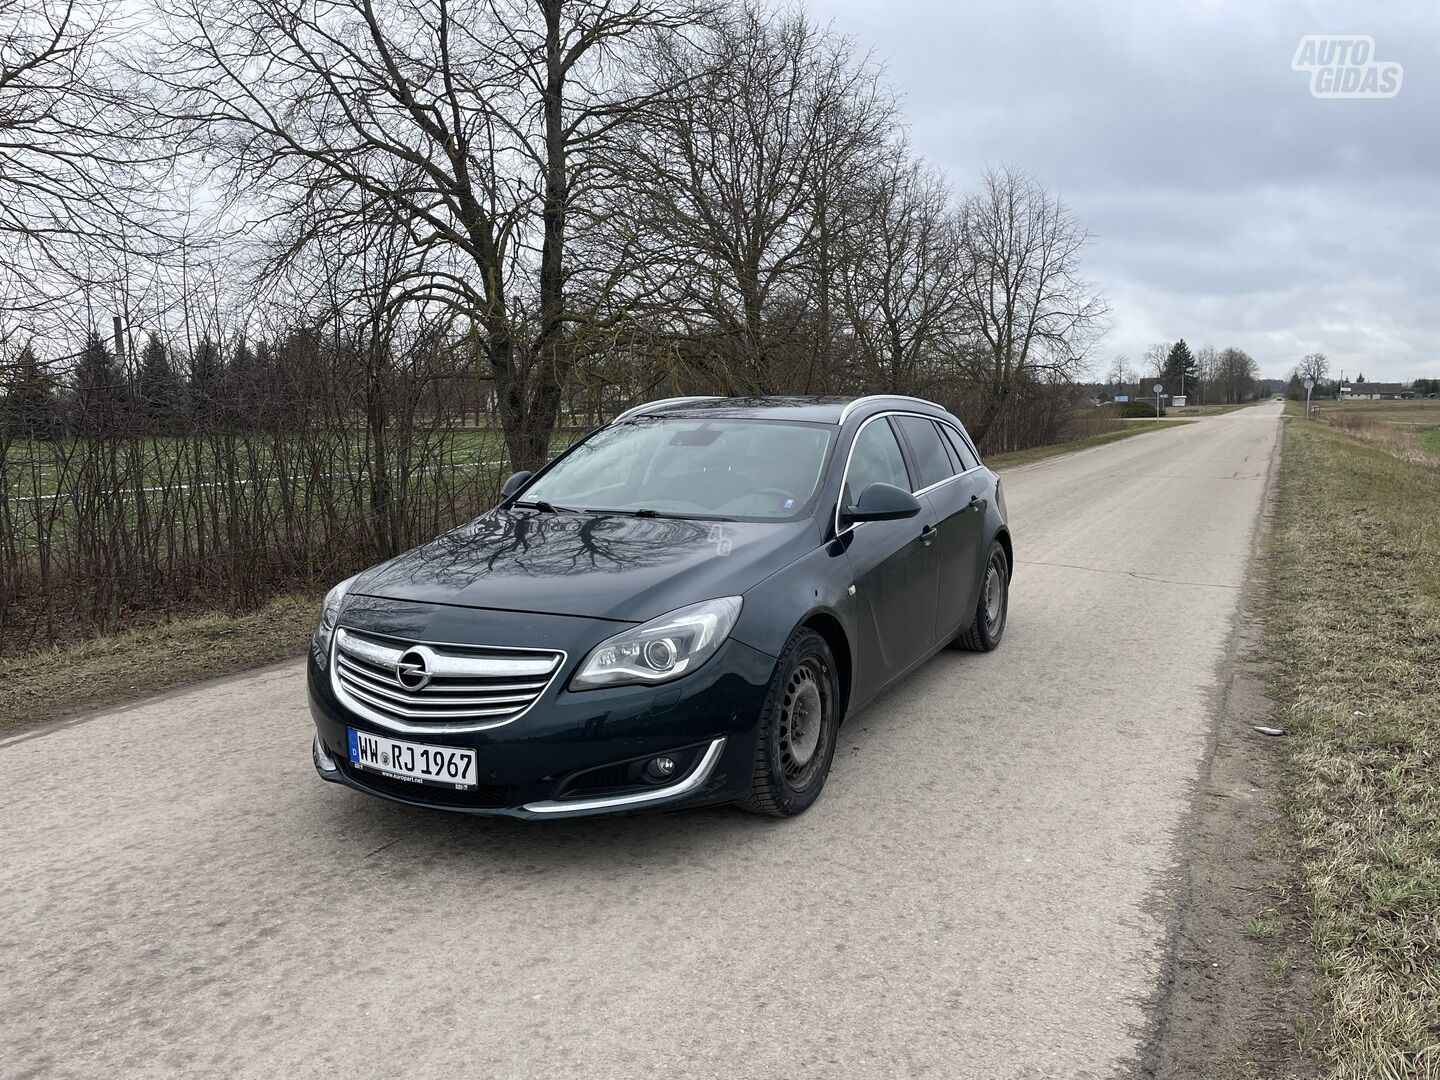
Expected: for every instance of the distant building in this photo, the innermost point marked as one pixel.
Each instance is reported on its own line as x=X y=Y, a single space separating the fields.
x=1377 y=391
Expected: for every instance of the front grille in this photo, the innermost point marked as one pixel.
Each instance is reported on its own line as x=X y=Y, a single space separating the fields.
x=468 y=686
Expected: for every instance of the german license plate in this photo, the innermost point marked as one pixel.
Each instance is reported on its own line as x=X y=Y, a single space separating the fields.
x=422 y=763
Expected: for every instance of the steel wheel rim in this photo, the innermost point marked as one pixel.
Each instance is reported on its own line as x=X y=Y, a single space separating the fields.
x=804 y=710
x=994 y=597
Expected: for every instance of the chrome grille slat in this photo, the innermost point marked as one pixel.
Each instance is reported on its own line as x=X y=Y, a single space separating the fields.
x=471 y=686
x=427 y=713
x=401 y=697
x=446 y=690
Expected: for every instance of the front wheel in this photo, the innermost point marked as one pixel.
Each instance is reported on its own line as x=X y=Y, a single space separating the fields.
x=988 y=626
x=798 y=728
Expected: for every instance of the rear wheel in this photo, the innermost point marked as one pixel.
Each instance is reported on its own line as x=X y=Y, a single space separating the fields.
x=798 y=728
x=988 y=626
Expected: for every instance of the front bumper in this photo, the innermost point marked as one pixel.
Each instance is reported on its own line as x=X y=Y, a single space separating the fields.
x=528 y=768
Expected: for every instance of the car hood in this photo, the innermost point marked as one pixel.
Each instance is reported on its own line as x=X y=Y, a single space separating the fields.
x=604 y=566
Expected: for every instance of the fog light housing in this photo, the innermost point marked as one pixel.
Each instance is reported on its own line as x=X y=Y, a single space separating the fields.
x=659 y=769
x=323 y=761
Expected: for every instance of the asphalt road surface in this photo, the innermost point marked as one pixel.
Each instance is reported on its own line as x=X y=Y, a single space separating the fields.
x=984 y=890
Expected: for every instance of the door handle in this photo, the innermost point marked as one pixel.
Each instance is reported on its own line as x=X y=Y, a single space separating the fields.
x=976 y=503
x=928 y=533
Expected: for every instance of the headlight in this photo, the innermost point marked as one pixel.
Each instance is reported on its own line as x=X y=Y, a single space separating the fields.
x=329 y=616
x=662 y=649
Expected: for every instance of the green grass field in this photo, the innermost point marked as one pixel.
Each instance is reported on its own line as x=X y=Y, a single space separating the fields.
x=1353 y=625
x=39 y=467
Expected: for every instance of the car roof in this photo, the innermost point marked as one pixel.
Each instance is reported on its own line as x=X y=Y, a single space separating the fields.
x=815 y=409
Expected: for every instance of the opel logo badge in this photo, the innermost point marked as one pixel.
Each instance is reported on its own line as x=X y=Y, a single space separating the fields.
x=411 y=670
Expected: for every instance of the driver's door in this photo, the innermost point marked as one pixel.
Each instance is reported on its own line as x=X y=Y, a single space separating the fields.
x=896 y=564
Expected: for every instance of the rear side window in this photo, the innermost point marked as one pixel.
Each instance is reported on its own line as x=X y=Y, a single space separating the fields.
x=876 y=459
x=961 y=448
x=931 y=459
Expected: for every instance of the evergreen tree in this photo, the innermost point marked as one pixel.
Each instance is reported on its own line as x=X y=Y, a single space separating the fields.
x=158 y=386
x=205 y=375
x=268 y=375
x=241 y=387
x=1179 y=371
x=32 y=404
x=99 y=387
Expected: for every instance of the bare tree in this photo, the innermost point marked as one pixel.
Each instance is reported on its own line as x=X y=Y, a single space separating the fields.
x=898 y=266
x=1154 y=360
x=1315 y=366
x=1022 y=288
x=75 y=158
x=1237 y=374
x=473 y=129
x=737 y=182
x=1121 y=373
x=1207 y=367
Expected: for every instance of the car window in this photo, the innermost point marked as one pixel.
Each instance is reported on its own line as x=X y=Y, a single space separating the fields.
x=931 y=459
x=876 y=459
x=961 y=448
x=762 y=469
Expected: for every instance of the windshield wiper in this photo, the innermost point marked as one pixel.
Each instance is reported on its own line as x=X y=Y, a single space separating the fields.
x=548 y=507
x=646 y=512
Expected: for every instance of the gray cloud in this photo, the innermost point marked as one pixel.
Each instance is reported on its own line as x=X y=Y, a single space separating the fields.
x=1228 y=205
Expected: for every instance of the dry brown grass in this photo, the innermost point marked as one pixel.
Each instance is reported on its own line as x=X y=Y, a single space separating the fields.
x=57 y=682
x=1354 y=619
x=1401 y=441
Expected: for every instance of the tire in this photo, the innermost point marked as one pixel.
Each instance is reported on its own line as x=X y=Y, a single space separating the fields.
x=804 y=693
x=992 y=608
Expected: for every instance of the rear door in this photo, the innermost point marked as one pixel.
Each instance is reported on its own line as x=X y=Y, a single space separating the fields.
x=952 y=483
x=896 y=564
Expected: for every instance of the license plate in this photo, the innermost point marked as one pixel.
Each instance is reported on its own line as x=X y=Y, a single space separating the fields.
x=422 y=763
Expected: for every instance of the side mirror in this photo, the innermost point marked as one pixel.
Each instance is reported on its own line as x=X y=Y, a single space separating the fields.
x=882 y=502
x=514 y=484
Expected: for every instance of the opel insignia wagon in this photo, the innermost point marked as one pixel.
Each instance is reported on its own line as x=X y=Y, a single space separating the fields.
x=679 y=610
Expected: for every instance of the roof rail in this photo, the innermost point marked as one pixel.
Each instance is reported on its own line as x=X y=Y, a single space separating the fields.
x=635 y=409
x=845 y=412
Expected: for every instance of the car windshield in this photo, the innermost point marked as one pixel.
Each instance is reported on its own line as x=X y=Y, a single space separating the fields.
x=767 y=469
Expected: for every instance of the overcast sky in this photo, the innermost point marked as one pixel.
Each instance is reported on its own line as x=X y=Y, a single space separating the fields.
x=1228 y=206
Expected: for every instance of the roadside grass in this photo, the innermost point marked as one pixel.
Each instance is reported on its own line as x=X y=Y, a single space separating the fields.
x=1405 y=429
x=57 y=682
x=1262 y=926
x=1353 y=623
x=1040 y=453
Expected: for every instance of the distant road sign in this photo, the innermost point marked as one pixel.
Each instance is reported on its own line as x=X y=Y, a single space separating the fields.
x=1158 y=387
x=1309 y=384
